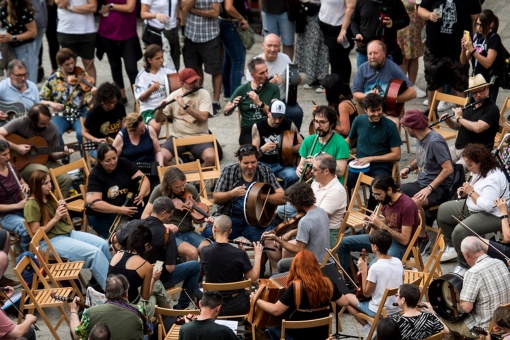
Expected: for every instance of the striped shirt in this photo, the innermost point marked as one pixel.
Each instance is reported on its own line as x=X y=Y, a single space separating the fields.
x=200 y=29
x=418 y=327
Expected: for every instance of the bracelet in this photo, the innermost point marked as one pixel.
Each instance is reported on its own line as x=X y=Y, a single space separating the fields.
x=430 y=187
x=408 y=167
x=503 y=217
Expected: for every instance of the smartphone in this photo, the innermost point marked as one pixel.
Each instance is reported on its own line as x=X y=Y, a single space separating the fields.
x=158 y=266
x=467 y=35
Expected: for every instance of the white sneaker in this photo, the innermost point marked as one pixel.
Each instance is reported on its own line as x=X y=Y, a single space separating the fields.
x=311 y=85
x=426 y=102
x=449 y=254
x=443 y=106
x=419 y=92
x=320 y=89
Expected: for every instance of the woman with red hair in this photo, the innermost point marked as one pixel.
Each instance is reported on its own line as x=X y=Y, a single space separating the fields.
x=317 y=291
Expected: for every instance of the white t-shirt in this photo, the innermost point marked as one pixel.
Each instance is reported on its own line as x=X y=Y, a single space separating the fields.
x=161 y=6
x=332 y=198
x=75 y=23
x=332 y=12
x=279 y=66
x=144 y=80
x=385 y=274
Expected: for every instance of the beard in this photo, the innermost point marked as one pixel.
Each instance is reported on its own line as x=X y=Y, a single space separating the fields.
x=375 y=64
x=386 y=200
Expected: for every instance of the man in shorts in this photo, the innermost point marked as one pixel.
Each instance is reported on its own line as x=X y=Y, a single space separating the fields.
x=202 y=45
x=275 y=19
x=442 y=47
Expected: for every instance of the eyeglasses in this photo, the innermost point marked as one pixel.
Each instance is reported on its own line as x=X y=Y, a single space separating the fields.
x=180 y=186
x=112 y=102
x=377 y=195
x=477 y=92
x=24 y=75
x=137 y=122
x=317 y=169
x=320 y=122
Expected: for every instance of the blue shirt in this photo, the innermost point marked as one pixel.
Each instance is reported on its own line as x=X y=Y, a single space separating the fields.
x=367 y=77
x=8 y=93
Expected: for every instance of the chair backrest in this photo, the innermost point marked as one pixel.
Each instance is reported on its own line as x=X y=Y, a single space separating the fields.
x=437 y=336
x=38 y=278
x=327 y=321
x=193 y=172
x=438 y=96
x=161 y=312
x=412 y=241
x=355 y=196
x=504 y=107
x=44 y=256
x=381 y=310
x=245 y=284
x=79 y=164
x=210 y=138
x=433 y=263
x=334 y=250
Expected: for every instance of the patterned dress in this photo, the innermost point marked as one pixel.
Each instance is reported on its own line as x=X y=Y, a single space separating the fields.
x=409 y=38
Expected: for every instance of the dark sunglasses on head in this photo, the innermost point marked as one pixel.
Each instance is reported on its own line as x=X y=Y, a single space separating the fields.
x=138 y=121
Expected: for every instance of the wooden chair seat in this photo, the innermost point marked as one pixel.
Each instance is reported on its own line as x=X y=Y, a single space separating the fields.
x=66 y=270
x=43 y=296
x=173 y=334
x=76 y=205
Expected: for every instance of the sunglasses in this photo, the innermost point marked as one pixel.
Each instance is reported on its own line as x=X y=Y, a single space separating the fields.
x=137 y=122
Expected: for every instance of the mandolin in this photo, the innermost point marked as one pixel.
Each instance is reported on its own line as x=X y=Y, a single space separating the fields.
x=67 y=299
x=39 y=150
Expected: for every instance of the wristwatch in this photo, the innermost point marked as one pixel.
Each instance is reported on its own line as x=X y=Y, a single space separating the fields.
x=110 y=6
x=185 y=107
x=262 y=105
x=14 y=38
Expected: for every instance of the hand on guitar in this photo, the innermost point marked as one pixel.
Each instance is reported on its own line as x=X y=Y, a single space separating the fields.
x=3 y=116
x=128 y=211
x=139 y=200
x=238 y=191
x=68 y=151
x=269 y=146
x=73 y=306
x=22 y=149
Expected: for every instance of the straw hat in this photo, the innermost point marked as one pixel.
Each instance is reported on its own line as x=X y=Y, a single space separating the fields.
x=476 y=82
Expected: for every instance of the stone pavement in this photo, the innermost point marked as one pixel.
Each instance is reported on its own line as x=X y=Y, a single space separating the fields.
x=227 y=128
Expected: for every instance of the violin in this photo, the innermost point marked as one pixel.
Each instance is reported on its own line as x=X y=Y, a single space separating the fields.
x=81 y=77
x=286 y=226
x=359 y=290
x=198 y=210
x=181 y=320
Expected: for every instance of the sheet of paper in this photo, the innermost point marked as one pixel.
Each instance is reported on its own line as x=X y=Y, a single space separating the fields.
x=230 y=324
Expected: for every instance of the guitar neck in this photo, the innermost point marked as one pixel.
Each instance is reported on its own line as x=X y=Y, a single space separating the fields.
x=60 y=148
x=68 y=300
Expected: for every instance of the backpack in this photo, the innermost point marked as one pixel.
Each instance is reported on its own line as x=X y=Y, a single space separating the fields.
x=28 y=272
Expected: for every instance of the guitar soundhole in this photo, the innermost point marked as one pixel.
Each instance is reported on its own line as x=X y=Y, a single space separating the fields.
x=33 y=151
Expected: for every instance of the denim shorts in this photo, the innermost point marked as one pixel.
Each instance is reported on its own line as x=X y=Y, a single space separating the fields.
x=191 y=237
x=280 y=25
x=363 y=307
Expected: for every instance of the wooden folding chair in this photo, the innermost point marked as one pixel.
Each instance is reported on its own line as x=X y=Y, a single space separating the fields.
x=174 y=331
x=86 y=155
x=74 y=203
x=306 y=324
x=193 y=172
x=245 y=284
x=437 y=336
x=442 y=128
x=413 y=249
x=504 y=107
x=59 y=270
x=34 y=298
x=380 y=311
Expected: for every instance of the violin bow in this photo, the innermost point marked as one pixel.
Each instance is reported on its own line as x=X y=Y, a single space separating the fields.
x=188 y=210
x=342 y=268
x=69 y=99
x=20 y=313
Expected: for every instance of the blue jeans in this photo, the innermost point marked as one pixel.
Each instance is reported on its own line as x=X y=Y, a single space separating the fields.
x=80 y=246
x=241 y=228
x=295 y=113
x=102 y=223
x=275 y=333
x=287 y=173
x=188 y=273
x=358 y=242
x=28 y=55
x=233 y=58
x=280 y=25
x=63 y=125
x=14 y=223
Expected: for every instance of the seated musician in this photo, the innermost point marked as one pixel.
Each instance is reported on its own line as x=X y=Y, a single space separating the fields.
x=110 y=181
x=43 y=211
x=231 y=188
x=486 y=286
x=5 y=245
x=105 y=118
x=476 y=205
x=16 y=87
x=223 y=263
x=312 y=229
x=401 y=220
x=190 y=112
x=503 y=246
x=435 y=167
x=477 y=124
x=203 y=326
x=501 y=327
x=375 y=75
x=377 y=142
x=324 y=141
x=181 y=222
x=150 y=86
x=267 y=137
x=277 y=63
x=8 y=329
x=37 y=122
x=256 y=98
x=70 y=97
x=317 y=293
x=385 y=272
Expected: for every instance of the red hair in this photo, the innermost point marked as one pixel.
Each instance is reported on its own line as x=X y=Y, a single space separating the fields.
x=319 y=289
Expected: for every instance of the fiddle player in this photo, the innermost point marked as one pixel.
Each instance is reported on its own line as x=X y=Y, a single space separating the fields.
x=266 y=136
x=385 y=272
x=174 y=185
x=256 y=105
x=223 y=263
x=231 y=188
x=504 y=245
x=8 y=329
x=312 y=229
x=66 y=94
x=401 y=221
x=486 y=286
x=477 y=124
x=324 y=141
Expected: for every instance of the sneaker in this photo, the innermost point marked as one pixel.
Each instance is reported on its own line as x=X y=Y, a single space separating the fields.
x=443 y=106
x=320 y=89
x=216 y=107
x=426 y=102
x=5 y=281
x=419 y=92
x=424 y=244
x=449 y=254
x=311 y=85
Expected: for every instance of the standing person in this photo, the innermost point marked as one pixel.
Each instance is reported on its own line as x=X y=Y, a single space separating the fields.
x=485 y=50
x=117 y=34
x=17 y=17
x=339 y=97
x=76 y=30
x=41 y=22
x=275 y=19
x=202 y=44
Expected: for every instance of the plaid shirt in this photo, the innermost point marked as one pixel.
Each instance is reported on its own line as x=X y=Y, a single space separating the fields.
x=486 y=285
x=231 y=178
x=200 y=29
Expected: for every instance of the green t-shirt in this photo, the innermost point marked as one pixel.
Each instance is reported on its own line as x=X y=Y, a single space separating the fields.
x=336 y=147
x=32 y=213
x=251 y=113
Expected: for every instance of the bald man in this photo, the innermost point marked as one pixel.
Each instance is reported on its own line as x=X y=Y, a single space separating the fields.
x=277 y=67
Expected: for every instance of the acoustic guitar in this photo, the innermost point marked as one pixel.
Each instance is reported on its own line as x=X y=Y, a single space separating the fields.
x=39 y=150
x=13 y=109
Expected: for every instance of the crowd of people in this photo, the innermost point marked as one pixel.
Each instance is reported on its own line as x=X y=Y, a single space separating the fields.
x=313 y=190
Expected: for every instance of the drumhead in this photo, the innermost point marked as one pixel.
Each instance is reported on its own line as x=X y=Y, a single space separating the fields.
x=440 y=296
x=358 y=168
x=245 y=205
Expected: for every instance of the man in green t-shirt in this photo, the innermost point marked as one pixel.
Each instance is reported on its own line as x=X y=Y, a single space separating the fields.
x=257 y=94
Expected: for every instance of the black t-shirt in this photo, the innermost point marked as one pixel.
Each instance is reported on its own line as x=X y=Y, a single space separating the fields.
x=114 y=185
x=240 y=7
x=273 y=6
x=444 y=36
x=488 y=113
x=288 y=299
x=482 y=46
x=224 y=263
x=158 y=251
x=24 y=15
x=270 y=134
x=102 y=124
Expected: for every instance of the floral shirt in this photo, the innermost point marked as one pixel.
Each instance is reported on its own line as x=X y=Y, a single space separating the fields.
x=57 y=90
x=25 y=16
